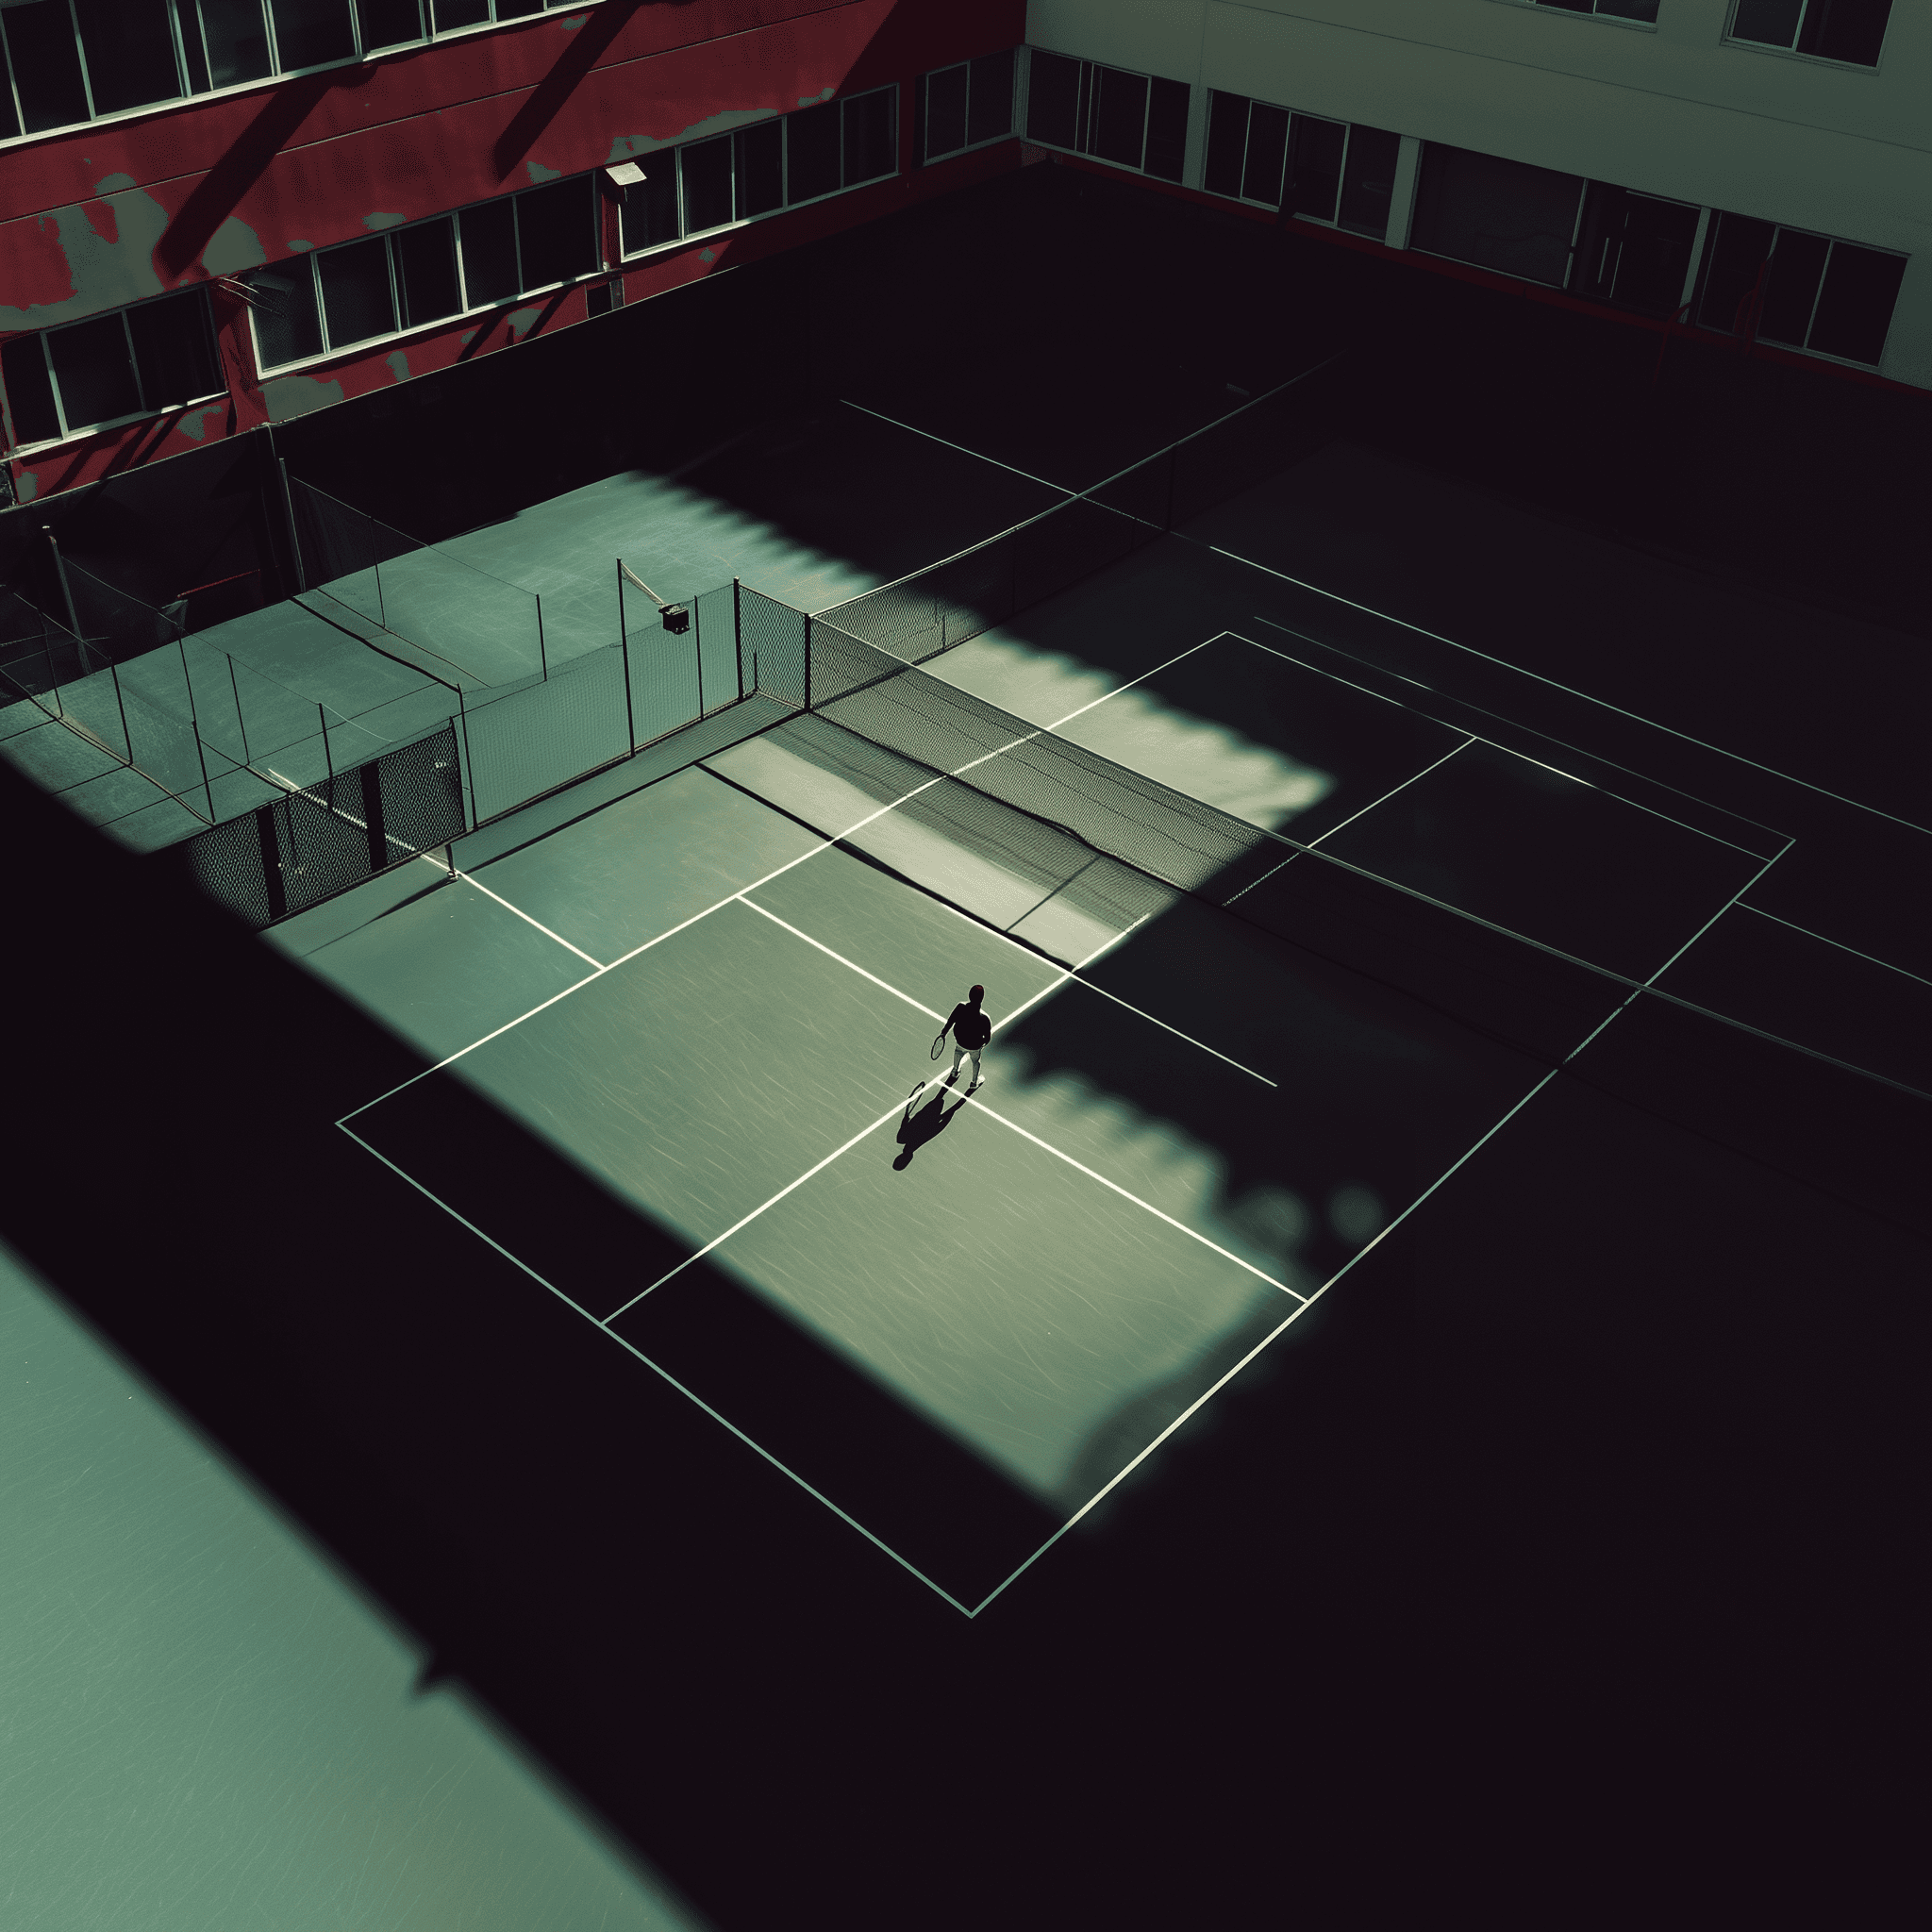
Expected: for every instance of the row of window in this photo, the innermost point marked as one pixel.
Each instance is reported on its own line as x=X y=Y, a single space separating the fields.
x=966 y=106
x=1133 y=120
x=70 y=61
x=1848 y=30
x=1318 y=170
x=160 y=354
x=133 y=362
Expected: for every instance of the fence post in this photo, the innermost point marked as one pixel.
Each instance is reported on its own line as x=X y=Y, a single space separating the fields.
x=808 y=660
x=66 y=588
x=241 y=723
x=294 y=534
x=329 y=763
x=543 y=656
x=271 y=861
x=736 y=638
x=193 y=724
x=469 y=769
x=697 y=651
x=120 y=705
x=207 y=789
x=375 y=571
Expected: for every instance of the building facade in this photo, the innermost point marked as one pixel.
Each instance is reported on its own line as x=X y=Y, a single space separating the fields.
x=1753 y=171
x=216 y=214
x=220 y=213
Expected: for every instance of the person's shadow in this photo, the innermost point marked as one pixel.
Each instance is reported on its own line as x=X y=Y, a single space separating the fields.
x=916 y=1129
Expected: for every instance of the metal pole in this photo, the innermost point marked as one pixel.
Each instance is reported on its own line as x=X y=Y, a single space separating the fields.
x=126 y=738
x=202 y=757
x=375 y=565
x=543 y=656
x=697 y=647
x=241 y=725
x=630 y=725
x=66 y=588
x=737 y=637
x=463 y=725
x=807 y=662
x=289 y=511
x=322 y=718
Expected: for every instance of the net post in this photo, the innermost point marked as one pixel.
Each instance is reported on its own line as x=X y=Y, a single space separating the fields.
x=630 y=722
x=738 y=637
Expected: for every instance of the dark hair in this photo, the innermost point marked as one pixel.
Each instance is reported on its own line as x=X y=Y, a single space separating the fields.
x=978 y=992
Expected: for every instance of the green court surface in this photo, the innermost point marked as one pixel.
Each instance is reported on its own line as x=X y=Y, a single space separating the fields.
x=208 y=1729
x=683 y=1074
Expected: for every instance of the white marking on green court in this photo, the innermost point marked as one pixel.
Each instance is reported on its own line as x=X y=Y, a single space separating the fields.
x=469 y=878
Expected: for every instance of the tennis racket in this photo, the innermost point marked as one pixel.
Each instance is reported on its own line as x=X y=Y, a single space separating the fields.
x=939 y=1046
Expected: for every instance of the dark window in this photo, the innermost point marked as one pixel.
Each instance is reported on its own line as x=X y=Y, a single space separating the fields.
x=556 y=235
x=517 y=9
x=287 y=324
x=311 y=32
x=1791 y=289
x=451 y=13
x=1855 y=308
x=489 y=237
x=1166 y=129
x=706 y=166
x=1634 y=250
x=1495 y=213
x=1118 y=129
x=174 y=350
x=427 y=272
x=1368 y=180
x=237 y=40
x=649 y=216
x=1852 y=30
x=10 y=120
x=193 y=55
x=1739 y=249
x=989 y=110
x=46 y=64
x=94 y=371
x=868 y=134
x=29 y=393
x=1315 y=167
x=1268 y=131
x=389 y=23
x=1227 y=139
x=131 y=53
x=811 y=152
x=355 y=298
x=1630 y=10
x=760 y=168
x=1053 y=100
x=945 y=111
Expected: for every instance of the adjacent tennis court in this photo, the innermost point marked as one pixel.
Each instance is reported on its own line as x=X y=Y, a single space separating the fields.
x=680 y=1044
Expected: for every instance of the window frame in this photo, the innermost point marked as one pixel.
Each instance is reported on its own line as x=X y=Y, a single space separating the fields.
x=149 y=411
x=1013 y=110
x=1707 y=256
x=430 y=36
x=330 y=352
x=1728 y=39
x=685 y=237
x=1332 y=222
x=1648 y=26
x=1084 y=114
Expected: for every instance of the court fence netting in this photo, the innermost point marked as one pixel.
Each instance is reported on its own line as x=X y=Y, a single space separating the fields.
x=299 y=799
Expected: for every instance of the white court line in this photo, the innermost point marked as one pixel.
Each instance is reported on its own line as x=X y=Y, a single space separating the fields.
x=974 y=454
x=701 y=1403
x=1308 y=1302
x=1822 y=939
x=1649 y=984
x=1637 y=717
x=471 y=879
x=841 y=958
x=1543 y=764
x=824 y=845
x=898 y=1106
x=968 y=1100
x=1353 y=815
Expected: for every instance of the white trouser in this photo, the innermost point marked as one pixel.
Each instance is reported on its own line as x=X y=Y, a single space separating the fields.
x=971 y=1052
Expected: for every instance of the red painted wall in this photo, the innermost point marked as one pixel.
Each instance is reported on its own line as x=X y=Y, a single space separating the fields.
x=103 y=216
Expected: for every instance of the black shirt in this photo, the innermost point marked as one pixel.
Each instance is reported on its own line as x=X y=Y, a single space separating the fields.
x=970 y=1028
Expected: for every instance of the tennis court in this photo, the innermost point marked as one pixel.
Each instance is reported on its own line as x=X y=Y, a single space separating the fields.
x=675 y=1041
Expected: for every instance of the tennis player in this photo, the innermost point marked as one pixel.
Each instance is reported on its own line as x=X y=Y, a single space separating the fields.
x=971 y=1029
